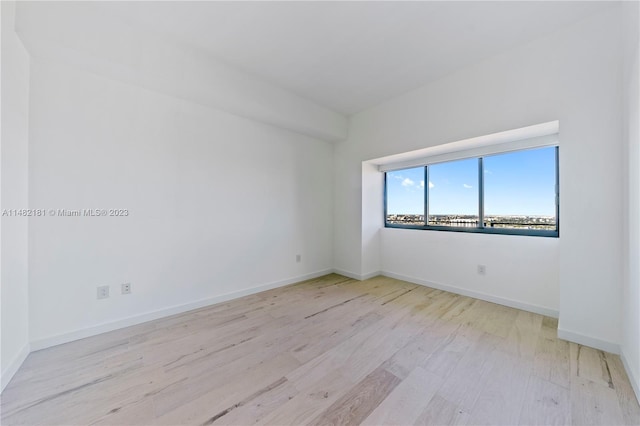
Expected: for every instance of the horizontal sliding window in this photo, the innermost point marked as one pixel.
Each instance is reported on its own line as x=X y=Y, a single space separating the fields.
x=508 y=193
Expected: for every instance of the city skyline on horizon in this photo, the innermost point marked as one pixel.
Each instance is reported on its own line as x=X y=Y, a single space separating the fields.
x=469 y=215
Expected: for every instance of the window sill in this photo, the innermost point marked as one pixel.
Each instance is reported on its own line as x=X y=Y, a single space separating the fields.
x=474 y=230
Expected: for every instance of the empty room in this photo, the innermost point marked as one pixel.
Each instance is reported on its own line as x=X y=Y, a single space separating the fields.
x=320 y=213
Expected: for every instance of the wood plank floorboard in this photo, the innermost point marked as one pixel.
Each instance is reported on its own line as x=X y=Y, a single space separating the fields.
x=330 y=350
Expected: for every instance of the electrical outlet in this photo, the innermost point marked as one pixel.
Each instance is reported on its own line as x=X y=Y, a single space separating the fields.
x=482 y=269
x=298 y=258
x=103 y=292
x=126 y=288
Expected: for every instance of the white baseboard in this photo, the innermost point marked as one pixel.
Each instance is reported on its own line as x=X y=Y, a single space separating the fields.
x=371 y=275
x=477 y=295
x=590 y=341
x=59 y=339
x=635 y=380
x=13 y=366
x=359 y=277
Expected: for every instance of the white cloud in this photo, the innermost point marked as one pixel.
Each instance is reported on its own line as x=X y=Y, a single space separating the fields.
x=467 y=186
x=408 y=182
x=421 y=184
x=487 y=171
x=431 y=185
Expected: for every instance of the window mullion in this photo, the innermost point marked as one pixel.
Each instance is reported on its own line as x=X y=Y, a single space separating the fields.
x=557 y=200
x=426 y=195
x=384 y=200
x=480 y=193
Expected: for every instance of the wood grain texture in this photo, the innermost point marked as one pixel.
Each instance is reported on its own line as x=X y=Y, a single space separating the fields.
x=545 y=403
x=330 y=350
x=406 y=402
x=439 y=411
x=360 y=401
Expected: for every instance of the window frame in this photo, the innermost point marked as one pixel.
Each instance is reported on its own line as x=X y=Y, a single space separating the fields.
x=481 y=229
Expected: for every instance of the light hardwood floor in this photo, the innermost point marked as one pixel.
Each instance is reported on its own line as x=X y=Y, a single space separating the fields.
x=327 y=351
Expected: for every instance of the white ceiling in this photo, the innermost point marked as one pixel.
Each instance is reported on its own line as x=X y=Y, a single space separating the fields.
x=349 y=56
x=346 y=56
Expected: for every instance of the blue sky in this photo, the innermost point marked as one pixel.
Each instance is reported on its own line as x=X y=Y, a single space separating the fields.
x=517 y=183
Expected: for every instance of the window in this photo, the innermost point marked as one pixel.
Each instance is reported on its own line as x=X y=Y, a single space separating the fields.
x=520 y=190
x=405 y=196
x=508 y=193
x=453 y=193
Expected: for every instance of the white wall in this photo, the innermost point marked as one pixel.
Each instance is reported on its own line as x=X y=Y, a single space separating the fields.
x=372 y=200
x=630 y=348
x=218 y=204
x=14 y=186
x=520 y=271
x=571 y=76
x=111 y=45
